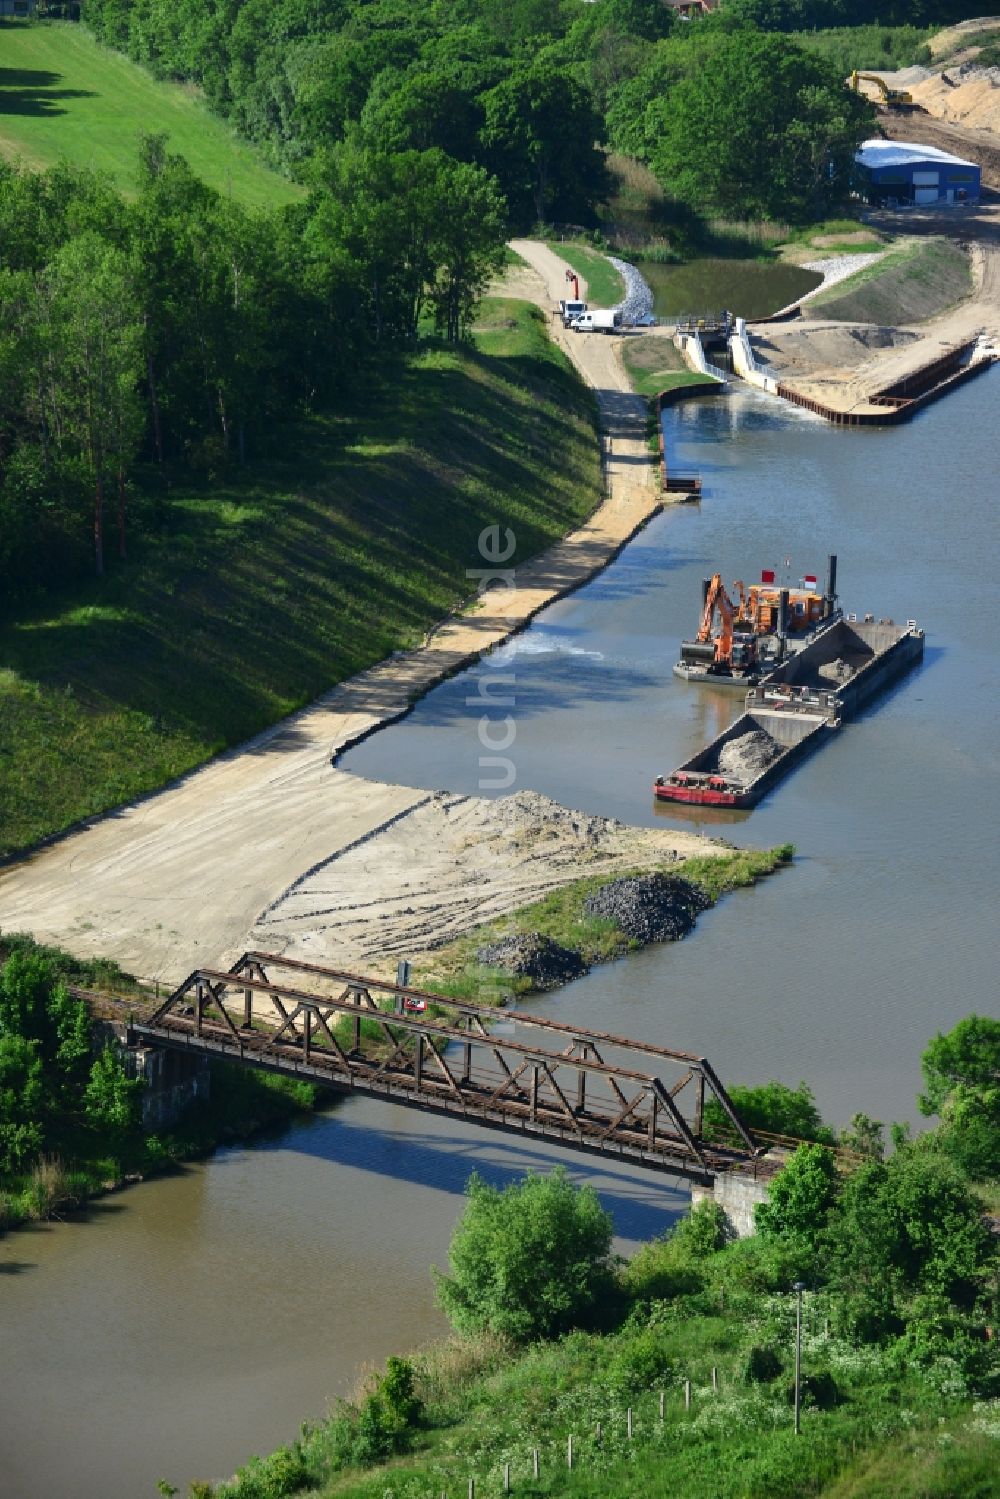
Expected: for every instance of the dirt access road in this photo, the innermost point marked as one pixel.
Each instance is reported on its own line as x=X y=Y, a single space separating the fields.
x=598 y=358
x=271 y=843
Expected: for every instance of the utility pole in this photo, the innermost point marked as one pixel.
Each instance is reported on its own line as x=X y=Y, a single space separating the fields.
x=798 y=1288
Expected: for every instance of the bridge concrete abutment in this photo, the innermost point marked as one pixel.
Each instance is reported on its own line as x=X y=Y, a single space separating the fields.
x=737 y=1194
x=174 y=1080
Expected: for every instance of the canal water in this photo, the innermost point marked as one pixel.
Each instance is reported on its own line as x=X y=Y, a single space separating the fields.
x=748 y=288
x=192 y=1321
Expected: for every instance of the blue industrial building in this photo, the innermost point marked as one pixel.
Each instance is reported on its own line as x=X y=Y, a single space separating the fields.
x=894 y=173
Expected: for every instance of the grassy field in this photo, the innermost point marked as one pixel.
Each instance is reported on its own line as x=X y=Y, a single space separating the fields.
x=62 y=96
x=243 y=600
x=605 y=287
x=833 y=237
x=867 y=1432
x=654 y=364
x=909 y=285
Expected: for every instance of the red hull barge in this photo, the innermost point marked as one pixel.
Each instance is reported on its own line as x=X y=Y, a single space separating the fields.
x=695 y=795
x=793 y=710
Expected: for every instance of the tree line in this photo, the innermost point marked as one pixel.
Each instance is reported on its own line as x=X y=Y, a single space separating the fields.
x=729 y=111
x=179 y=327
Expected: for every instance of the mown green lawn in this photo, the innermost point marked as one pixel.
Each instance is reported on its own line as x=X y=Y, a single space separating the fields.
x=247 y=596
x=605 y=287
x=654 y=364
x=64 y=97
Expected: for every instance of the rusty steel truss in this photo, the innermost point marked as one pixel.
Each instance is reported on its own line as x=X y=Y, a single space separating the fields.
x=586 y=1089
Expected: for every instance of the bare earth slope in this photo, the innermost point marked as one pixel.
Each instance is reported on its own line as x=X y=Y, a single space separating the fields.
x=253 y=841
x=843 y=365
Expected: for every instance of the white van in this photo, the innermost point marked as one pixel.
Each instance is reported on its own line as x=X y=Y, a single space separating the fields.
x=597 y=322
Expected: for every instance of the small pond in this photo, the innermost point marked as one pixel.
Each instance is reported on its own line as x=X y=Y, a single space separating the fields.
x=748 y=288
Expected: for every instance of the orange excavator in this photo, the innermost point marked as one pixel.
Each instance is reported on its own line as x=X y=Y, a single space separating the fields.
x=718 y=598
x=729 y=653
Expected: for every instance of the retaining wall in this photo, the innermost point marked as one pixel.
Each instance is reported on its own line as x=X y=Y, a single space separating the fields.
x=678 y=483
x=173 y=1079
x=906 y=396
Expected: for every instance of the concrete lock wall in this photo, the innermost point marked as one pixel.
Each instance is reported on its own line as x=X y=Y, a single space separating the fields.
x=737 y=1195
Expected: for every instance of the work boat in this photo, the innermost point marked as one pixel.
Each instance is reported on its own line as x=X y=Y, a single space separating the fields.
x=738 y=642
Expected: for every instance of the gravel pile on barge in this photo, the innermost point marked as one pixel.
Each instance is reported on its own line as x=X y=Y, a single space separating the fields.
x=649 y=907
x=747 y=756
x=836 y=671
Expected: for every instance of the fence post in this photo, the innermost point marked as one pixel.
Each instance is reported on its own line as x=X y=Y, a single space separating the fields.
x=661 y=1405
x=506 y=1478
x=628 y=1422
x=687 y=1394
x=534 y=1461
x=472 y=1488
x=569 y=1450
x=715 y=1378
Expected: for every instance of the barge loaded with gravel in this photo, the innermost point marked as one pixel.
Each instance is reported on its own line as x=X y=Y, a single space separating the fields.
x=794 y=709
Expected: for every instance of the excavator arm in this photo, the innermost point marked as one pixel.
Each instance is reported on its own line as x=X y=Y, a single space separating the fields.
x=889 y=96
x=718 y=599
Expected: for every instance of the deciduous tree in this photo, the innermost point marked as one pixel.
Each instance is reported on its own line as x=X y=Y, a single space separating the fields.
x=528 y=1261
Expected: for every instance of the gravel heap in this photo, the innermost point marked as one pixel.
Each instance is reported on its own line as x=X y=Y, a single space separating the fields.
x=649 y=907
x=638 y=301
x=747 y=756
x=534 y=956
x=836 y=671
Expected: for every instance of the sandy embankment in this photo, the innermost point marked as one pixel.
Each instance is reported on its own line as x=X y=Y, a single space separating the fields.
x=270 y=843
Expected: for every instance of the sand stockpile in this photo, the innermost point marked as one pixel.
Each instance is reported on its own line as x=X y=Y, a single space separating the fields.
x=967 y=96
x=749 y=755
x=801 y=349
x=955 y=38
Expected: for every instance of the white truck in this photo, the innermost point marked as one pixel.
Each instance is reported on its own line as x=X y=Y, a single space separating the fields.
x=571 y=309
x=597 y=322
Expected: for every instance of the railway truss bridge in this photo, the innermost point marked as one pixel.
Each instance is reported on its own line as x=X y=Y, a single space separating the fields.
x=585 y=1089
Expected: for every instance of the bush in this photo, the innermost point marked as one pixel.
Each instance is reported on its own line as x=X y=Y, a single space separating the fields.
x=773 y=1107
x=530 y=1261
x=800 y=1198
x=762 y=1365
x=640 y=1363
x=673 y=1265
x=272 y=1477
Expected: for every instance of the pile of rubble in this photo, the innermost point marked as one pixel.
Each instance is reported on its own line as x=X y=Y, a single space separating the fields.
x=533 y=956
x=638 y=302
x=649 y=907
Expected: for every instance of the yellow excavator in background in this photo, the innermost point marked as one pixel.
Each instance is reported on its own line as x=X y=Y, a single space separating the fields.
x=892 y=98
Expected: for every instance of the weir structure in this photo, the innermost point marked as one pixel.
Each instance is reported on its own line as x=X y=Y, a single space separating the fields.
x=588 y=1090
